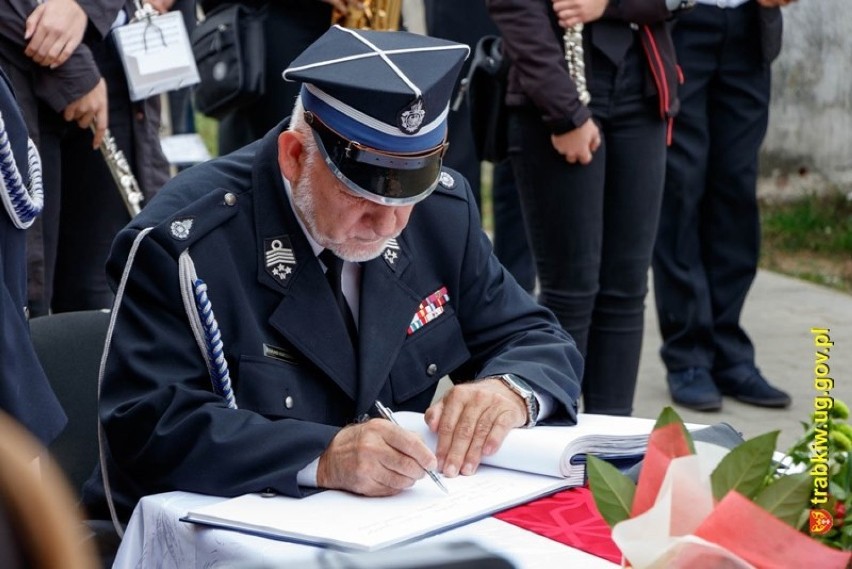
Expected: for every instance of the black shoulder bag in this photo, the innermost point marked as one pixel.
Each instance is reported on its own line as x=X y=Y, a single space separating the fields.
x=485 y=87
x=230 y=54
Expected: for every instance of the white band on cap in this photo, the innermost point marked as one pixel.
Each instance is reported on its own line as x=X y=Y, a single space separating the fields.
x=371 y=122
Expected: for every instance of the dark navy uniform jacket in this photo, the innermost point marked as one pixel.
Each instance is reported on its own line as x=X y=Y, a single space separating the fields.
x=295 y=373
x=24 y=391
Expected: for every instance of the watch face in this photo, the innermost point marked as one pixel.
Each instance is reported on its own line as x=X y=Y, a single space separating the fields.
x=518 y=385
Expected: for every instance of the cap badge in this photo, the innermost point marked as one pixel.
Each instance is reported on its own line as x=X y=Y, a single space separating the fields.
x=391 y=253
x=280 y=260
x=411 y=119
x=180 y=228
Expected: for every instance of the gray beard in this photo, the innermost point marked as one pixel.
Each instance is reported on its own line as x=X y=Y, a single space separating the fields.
x=303 y=200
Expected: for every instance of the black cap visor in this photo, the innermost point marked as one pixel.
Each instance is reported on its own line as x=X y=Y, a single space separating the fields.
x=381 y=177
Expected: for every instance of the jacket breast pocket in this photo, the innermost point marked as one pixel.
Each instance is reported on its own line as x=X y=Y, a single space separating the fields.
x=427 y=355
x=278 y=389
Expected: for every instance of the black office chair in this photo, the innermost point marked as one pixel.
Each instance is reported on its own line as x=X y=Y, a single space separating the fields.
x=69 y=346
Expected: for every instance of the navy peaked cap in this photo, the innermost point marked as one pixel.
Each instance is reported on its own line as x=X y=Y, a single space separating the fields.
x=377 y=103
x=395 y=85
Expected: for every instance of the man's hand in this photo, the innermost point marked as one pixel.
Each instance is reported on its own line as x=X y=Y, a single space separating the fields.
x=54 y=30
x=376 y=458
x=579 y=144
x=571 y=12
x=471 y=420
x=90 y=109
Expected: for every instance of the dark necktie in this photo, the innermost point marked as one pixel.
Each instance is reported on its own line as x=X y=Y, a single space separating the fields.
x=334 y=270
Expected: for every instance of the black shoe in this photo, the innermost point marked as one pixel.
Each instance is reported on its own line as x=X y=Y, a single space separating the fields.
x=694 y=388
x=752 y=388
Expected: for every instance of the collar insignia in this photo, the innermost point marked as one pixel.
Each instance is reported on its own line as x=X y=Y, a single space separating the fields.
x=180 y=228
x=391 y=253
x=279 y=258
x=411 y=118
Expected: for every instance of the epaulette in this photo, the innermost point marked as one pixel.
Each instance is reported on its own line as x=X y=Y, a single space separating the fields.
x=184 y=227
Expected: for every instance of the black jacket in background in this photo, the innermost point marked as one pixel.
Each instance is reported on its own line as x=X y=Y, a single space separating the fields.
x=539 y=76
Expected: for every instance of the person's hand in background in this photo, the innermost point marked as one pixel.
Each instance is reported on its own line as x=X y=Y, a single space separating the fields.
x=90 y=109
x=54 y=30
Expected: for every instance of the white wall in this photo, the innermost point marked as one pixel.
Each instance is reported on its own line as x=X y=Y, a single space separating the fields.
x=809 y=142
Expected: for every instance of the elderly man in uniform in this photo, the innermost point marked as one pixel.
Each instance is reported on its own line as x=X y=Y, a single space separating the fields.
x=24 y=390
x=265 y=301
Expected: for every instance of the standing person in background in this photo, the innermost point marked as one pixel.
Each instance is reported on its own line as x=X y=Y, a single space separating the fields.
x=591 y=177
x=709 y=238
x=467 y=22
x=44 y=50
x=84 y=239
x=24 y=390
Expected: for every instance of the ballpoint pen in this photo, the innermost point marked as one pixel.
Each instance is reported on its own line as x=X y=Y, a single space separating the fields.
x=388 y=414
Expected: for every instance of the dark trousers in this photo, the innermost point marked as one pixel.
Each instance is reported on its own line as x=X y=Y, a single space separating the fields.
x=83 y=207
x=709 y=238
x=592 y=228
x=510 y=239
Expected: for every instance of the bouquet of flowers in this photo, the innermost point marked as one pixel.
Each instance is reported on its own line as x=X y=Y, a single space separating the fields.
x=734 y=509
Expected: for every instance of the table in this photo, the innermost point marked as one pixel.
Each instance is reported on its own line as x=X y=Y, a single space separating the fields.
x=156 y=538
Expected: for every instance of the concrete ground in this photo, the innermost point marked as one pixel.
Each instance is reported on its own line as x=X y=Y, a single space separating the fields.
x=779 y=314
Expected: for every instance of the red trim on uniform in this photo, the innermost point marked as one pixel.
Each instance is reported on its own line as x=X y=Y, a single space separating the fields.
x=662 y=86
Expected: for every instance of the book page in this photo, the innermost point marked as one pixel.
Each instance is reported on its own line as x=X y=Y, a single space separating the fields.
x=548 y=450
x=356 y=522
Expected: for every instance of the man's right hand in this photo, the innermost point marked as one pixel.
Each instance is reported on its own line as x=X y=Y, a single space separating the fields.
x=376 y=458
x=90 y=109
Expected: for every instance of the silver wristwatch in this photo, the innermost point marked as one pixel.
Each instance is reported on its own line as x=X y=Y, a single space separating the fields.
x=523 y=389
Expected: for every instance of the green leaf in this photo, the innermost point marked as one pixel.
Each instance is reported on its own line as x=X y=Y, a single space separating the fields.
x=612 y=490
x=744 y=469
x=786 y=497
x=668 y=416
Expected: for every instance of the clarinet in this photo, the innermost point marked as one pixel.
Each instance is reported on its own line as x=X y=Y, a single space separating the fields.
x=573 y=40
x=124 y=179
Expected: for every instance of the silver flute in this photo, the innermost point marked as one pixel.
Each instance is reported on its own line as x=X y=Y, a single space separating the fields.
x=573 y=40
x=124 y=179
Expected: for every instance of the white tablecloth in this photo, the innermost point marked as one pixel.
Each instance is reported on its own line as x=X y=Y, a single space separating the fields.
x=156 y=538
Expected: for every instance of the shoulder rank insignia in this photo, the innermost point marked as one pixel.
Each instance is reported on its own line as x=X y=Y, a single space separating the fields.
x=180 y=228
x=279 y=258
x=447 y=180
x=391 y=253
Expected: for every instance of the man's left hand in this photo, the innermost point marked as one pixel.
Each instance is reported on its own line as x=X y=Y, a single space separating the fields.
x=471 y=420
x=54 y=30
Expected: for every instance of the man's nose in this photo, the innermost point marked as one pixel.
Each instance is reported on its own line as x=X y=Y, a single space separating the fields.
x=383 y=220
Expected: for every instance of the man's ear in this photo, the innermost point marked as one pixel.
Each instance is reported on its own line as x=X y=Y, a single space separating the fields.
x=290 y=152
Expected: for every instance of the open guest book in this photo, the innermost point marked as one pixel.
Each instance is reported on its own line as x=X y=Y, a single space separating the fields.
x=530 y=464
